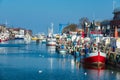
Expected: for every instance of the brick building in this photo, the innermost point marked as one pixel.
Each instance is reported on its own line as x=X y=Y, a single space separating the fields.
x=115 y=23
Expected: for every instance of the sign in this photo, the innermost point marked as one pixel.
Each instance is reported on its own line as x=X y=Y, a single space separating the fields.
x=95 y=32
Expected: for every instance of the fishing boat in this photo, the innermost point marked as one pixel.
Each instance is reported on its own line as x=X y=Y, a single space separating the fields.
x=51 y=40
x=20 y=35
x=60 y=48
x=93 y=54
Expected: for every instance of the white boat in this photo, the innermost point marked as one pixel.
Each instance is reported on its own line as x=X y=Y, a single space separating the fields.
x=19 y=37
x=43 y=40
x=62 y=51
x=51 y=42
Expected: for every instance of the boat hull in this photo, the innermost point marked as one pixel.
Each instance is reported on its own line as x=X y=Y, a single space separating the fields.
x=62 y=51
x=97 y=59
x=44 y=41
x=51 y=43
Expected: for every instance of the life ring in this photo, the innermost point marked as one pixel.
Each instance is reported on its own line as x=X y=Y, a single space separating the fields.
x=94 y=49
x=118 y=58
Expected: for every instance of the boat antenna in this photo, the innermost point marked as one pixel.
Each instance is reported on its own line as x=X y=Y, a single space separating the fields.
x=52 y=27
x=6 y=23
x=93 y=16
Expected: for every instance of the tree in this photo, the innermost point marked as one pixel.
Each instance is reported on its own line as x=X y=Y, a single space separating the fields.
x=82 y=22
x=71 y=27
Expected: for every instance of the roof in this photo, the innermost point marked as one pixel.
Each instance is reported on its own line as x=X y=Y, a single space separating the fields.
x=105 y=23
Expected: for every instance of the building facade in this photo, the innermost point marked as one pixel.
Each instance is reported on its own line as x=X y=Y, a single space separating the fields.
x=115 y=23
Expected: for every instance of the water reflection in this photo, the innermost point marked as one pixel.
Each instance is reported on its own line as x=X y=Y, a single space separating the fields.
x=51 y=63
x=7 y=50
x=3 y=50
x=11 y=47
x=17 y=42
x=93 y=72
x=118 y=76
x=51 y=49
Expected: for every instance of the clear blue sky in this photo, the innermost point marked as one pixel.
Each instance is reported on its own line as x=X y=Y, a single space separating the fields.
x=37 y=15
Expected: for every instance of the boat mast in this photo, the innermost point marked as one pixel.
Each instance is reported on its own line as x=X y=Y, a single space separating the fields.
x=114 y=4
x=6 y=23
x=52 y=28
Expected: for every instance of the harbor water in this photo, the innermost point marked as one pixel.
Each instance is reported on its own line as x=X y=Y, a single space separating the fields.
x=40 y=62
